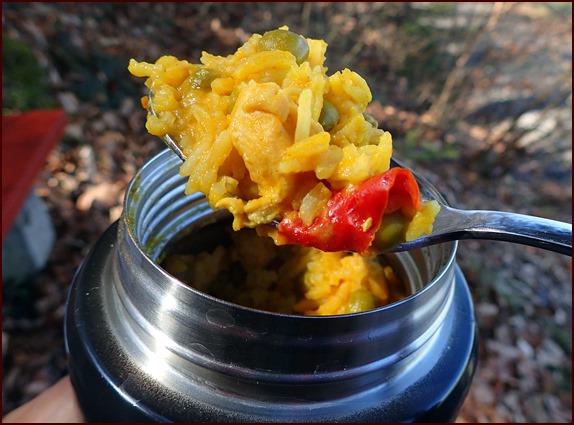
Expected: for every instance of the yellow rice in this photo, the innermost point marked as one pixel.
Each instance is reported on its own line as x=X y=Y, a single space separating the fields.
x=253 y=272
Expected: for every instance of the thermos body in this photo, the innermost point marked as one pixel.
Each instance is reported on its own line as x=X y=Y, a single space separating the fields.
x=143 y=346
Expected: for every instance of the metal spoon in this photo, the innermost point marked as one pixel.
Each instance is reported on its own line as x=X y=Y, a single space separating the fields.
x=454 y=224
x=167 y=138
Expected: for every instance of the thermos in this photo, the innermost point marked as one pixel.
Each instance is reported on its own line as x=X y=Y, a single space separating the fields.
x=143 y=346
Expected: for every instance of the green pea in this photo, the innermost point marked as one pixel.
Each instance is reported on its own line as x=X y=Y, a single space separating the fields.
x=360 y=300
x=329 y=116
x=201 y=79
x=285 y=40
x=392 y=230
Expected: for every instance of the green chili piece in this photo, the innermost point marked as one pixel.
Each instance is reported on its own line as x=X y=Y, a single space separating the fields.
x=201 y=79
x=371 y=120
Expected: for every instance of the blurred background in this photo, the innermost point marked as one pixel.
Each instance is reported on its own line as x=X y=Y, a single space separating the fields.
x=477 y=96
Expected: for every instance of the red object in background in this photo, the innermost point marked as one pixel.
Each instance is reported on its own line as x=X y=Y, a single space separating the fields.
x=339 y=226
x=27 y=138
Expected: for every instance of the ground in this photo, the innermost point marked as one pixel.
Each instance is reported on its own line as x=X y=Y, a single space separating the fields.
x=501 y=141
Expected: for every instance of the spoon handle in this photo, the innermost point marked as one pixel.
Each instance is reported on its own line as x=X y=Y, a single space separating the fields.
x=454 y=224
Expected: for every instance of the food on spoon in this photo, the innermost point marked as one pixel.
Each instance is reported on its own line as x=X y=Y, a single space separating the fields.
x=285 y=147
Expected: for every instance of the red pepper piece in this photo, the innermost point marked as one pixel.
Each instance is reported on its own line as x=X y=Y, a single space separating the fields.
x=351 y=218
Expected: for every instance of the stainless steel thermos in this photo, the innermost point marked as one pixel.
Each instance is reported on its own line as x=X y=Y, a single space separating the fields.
x=143 y=346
